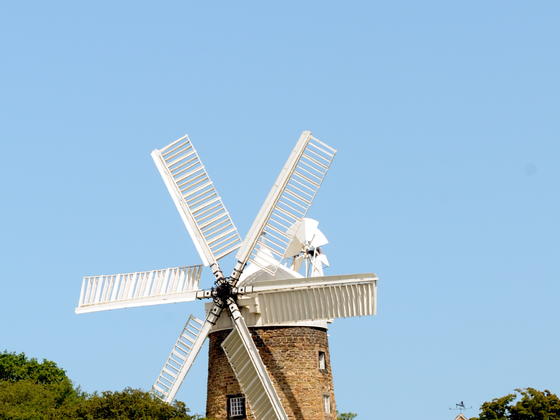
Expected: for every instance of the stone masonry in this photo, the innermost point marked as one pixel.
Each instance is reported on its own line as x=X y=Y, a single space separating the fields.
x=291 y=355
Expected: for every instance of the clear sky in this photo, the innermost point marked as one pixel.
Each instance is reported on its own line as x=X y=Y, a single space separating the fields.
x=446 y=118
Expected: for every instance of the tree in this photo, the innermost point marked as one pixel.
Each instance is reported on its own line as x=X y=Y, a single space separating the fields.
x=129 y=404
x=526 y=404
x=17 y=367
x=30 y=390
x=346 y=416
x=33 y=390
x=28 y=400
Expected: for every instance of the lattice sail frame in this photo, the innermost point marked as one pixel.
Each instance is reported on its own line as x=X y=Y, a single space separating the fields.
x=287 y=202
x=180 y=358
x=244 y=358
x=115 y=291
x=315 y=298
x=208 y=222
x=215 y=236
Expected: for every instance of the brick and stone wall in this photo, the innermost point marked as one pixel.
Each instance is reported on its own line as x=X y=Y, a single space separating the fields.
x=291 y=355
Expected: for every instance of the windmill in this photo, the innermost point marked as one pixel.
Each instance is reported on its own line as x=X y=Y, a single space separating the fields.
x=261 y=290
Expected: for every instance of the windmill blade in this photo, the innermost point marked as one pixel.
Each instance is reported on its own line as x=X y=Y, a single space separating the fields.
x=317 y=264
x=287 y=202
x=199 y=204
x=116 y=291
x=322 y=259
x=181 y=358
x=297 y=262
x=251 y=372
x=316 y=298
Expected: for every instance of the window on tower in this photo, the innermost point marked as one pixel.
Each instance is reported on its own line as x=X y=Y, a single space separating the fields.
x=322 y=361
x=236 y=407
x=327 y=403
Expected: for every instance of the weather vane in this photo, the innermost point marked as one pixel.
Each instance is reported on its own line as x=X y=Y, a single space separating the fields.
x=460 y=407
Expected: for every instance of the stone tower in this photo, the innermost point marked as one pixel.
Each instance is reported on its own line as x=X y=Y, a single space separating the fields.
x=298 y=361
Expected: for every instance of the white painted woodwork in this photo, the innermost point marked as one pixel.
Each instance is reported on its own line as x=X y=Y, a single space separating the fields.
x=253 y=319
x=288 y=201
x=181 y=358
x=306 y=235
x=316 y=298
x=251 y=373
x=270 y=292
x=126 y=290
x=253 y=274
x=197 y=200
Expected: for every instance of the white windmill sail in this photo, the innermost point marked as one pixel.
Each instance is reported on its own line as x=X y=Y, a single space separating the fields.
x=279 y=231
x=126 y=290
x=197 y=200
x=316 y=298
x=288 y=201
x=181 y=358
x=251 y=372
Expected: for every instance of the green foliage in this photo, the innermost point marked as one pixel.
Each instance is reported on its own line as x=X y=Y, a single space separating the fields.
x=497 y=408
x=17 y=367
x=33 y=390
x=346 y=416
x=129 y=404
x=526 y=404
x=30 y=390
x=28 y=400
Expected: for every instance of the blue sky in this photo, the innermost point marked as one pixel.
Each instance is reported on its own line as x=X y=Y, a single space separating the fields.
x=445 y=115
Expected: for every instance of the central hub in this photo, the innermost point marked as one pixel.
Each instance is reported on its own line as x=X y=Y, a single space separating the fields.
x=224 y=290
